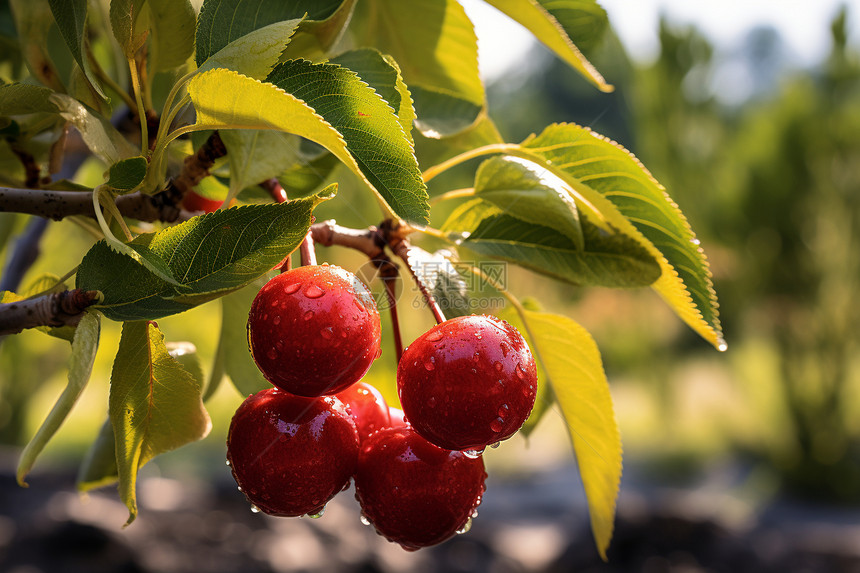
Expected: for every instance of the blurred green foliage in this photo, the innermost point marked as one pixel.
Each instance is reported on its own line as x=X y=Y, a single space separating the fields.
x=763 y=158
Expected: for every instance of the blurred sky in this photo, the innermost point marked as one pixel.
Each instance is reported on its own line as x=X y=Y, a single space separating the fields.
x=804 y=25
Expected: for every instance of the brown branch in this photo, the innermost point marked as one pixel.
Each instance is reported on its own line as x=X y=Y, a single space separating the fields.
x=367 y=241
x=56 y=309
x=162 y=206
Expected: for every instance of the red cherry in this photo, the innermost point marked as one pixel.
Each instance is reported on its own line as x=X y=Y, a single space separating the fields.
x=398 y=420
x=314 y=330
x=367 y=406
x=468 y=382
x=413 y=492
x=291 y=454
x=196 y=202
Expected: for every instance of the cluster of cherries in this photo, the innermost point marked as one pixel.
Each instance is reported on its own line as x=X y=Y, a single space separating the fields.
x=465 y=384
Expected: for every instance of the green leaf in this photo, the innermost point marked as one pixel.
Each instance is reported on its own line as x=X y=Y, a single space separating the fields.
x=33 y=22
x=631 y=200
x=376 y=148
x=98 y=467
x=84 y=347
x=607 y=259
x=71 y=18
x=382 y=74
x=306 y=176
x=141 y=254
x=125 y=175
x=521 y=189
x=545 y=399
x=154 y=405
x=316 y=37
x=18 y=99
x=186 y=354
x=101 y=137
x=255 y=53
x=210 y=255
x=440 y=277
x=257 y=155
x=584 y=21
x=130 y=25
x=539 y=17
x=434 y=151
x=97 y=132
x=434 y=43
x=233 y=340
x=373 y=134
x=574 y=370
x=222 y=21
x=173 y=23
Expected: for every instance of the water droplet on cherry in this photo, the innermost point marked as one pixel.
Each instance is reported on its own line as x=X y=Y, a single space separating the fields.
x=473 y=454
x=521 y=374
x=434 y=336
x=318 y=514
x=430 y=364
x=466 y=527
x=277 y=319
x=292 y=288
x=313 y=291
x=364 y=520
x=308 y=315
x=497 y=425
x=327 y=333
x=498 y=366
x=255 y=509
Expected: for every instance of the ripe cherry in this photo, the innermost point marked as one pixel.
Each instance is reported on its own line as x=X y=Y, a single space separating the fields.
x=290 y=454
x=398 y=420
x=468 y=382
x=413 y=492
x=367 y=407
x=314 y=330
x=193 y=201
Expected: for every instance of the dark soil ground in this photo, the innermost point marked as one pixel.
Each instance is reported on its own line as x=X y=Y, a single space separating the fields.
x=539 y=524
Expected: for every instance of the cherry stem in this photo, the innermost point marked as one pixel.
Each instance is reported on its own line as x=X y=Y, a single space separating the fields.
x=390 y=276
x=307 y=251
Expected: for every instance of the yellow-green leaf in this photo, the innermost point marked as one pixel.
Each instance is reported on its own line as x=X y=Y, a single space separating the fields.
x=546 y=28
x=377 y=149
x=574 y=370
x=154 y=405
x=627 y=197
x=434 y=43
x=84 y=347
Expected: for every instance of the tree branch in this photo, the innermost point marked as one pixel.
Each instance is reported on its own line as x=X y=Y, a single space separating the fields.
x=56 y=309
x=162 y=206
